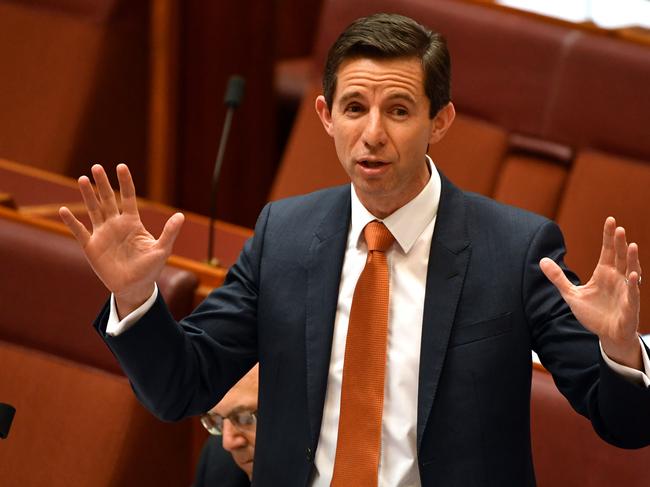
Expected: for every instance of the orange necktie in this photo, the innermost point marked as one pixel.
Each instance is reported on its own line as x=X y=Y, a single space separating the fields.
x=364 y=367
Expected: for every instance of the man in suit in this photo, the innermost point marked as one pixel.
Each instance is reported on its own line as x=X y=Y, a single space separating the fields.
x=227 y=456
x=466 y=288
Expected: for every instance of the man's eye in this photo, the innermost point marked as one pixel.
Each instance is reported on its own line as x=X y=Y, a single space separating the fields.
x=245 y=418
x=354 y=108
x=400 y=112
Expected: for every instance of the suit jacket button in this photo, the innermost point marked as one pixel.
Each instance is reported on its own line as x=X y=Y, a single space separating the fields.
x=308 y=454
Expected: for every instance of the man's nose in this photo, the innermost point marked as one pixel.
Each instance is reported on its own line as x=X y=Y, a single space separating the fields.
x=374 y=134
x=232 y=437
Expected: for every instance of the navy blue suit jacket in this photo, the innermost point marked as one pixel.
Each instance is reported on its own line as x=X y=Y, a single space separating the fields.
x=487 y=306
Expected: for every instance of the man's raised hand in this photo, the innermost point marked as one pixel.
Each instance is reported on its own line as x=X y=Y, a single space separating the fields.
x=123 y=254
x=608 y=305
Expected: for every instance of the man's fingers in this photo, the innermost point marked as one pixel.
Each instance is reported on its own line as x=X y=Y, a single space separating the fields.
x=633 y=262
x=127 y=190
x=170 y=231
x=620 y=248
x=554 y=274
x=634 y=296
x=90 y=200
x=76 y=227
x=607 y=252
x=106 y=194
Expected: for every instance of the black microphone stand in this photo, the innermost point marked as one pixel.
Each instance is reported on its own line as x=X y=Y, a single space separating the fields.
x=232 y=99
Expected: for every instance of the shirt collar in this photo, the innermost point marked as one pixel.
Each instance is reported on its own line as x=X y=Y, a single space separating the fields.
x=406 y=223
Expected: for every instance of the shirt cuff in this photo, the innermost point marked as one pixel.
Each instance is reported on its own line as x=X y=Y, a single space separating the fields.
x=633 y=375
x=115 y=326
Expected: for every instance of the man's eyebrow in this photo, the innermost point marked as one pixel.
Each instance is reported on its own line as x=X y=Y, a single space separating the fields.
x=402 y=96
x=349 y=96
x=240 y=409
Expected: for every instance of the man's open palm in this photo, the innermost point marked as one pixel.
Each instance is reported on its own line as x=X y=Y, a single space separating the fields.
x=123 y=254
x=609 y=303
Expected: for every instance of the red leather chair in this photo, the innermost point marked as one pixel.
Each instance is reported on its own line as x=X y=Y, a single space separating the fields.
x=50 y=295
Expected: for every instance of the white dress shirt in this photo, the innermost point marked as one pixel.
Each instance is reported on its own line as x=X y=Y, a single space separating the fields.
x=412 y=226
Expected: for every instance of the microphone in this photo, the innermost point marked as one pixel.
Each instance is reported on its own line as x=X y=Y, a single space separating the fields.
x=232 y=99
x=7 y=412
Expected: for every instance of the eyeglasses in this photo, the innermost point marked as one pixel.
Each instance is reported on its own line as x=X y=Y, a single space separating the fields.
x=244 y=421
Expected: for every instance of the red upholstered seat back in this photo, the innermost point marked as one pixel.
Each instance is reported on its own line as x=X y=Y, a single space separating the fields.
x=310 y=161
x=532 y=183
x=471 y=153
x=568 y=453
x=49 y=294
x=74 y=85
x=78 y=426
x=601 y=185
x=601 y=97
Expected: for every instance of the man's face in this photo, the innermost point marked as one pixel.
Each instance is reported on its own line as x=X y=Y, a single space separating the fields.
x=381 y=128
x=240 y=442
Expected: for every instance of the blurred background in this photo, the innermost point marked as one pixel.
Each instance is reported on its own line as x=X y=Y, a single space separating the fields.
x=142 y=82
x=553 y=115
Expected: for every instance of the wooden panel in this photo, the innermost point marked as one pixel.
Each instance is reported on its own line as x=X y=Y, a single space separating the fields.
x=163 y=100
x=220 y=39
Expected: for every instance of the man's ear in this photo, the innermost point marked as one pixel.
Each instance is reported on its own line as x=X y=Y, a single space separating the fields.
x=324 y=114
x=441 y=122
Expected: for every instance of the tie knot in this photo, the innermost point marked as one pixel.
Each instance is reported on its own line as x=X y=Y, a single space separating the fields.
x=378 y=237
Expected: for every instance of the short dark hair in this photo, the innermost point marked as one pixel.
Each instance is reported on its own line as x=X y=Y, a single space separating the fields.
x=388 y=36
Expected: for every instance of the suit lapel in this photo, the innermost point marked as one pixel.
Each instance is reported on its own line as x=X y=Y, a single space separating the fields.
x=323 y=278
x=448 y=260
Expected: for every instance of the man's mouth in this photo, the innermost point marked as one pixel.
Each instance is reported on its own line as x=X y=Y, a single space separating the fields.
x=371 y=163
x=244 y=460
